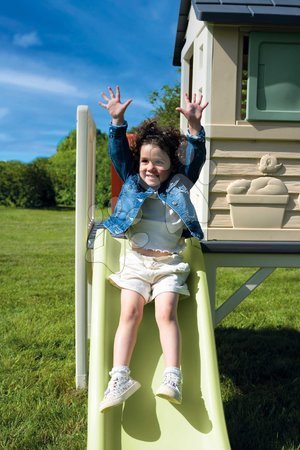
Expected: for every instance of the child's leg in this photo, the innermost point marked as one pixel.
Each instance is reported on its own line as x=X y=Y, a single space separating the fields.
x=169 y=332
x=121 y=385
x=170 y=338
x=132 y=307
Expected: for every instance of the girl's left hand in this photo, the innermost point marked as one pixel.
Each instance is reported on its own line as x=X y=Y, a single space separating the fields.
x=193 y=112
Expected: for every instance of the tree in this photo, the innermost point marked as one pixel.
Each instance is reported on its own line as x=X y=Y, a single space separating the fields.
x=165 y=101
x=12 y=188
x=62 y=170
x=26 y=185
x=38 y=185
x=103 y=181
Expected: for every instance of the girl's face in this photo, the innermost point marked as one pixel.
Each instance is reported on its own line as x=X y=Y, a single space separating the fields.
x=155 y=165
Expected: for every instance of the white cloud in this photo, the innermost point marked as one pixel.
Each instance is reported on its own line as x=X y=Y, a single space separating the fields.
x=27 y=40
x=38 y=83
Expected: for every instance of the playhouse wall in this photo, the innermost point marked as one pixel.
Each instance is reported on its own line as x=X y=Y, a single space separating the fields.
x=235 y=146
x=238 y=159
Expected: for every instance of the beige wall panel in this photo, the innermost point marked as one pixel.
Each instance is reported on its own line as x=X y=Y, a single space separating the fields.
x=292 y=220
x=292 y=184
x=193 y=29
x=244 y=130
x=247 y=167
x=224 y=76
x=256 y=154
x=219 y=219
x=222 y=219
x=255 y=149
x=219 y=202
x=219 y=185
x=293 y=203
x=253 y=235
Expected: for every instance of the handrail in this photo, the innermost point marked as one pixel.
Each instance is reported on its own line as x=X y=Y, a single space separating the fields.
x=84 y=219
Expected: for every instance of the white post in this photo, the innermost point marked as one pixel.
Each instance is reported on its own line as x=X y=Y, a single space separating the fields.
x=84 y=217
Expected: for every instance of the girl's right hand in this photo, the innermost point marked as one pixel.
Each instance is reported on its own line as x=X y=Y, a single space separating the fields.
x=193 y=112
x=114 y=106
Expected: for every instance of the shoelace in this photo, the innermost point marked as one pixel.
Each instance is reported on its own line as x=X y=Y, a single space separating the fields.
x=115 y=387
x=172 y=380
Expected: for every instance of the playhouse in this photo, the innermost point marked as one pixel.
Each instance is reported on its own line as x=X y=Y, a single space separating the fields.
x=244 y=55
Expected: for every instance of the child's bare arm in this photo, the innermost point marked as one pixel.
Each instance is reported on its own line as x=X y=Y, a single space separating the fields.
x=114 y=106
x=193 y=112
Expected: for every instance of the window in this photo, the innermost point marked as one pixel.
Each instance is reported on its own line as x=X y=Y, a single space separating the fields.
x=191 y=70
x=244 y=77
x=273 y=89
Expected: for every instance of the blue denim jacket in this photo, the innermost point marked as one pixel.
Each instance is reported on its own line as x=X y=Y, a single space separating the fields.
x=174 y=191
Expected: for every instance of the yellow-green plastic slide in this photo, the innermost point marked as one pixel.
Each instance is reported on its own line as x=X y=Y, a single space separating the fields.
x=145 y=422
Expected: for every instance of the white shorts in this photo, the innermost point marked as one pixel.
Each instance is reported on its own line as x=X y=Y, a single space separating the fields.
x=151 y=276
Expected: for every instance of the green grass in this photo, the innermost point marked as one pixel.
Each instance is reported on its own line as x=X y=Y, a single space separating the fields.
x=258 y=352
x=258 y=345
x=40 y=407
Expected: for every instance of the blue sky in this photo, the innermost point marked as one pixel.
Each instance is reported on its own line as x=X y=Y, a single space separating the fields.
x=57 y=54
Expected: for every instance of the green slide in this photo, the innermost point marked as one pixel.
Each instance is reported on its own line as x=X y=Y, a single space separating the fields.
x=146 y=422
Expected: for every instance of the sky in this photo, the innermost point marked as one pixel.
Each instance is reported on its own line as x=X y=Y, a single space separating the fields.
x=58 y=54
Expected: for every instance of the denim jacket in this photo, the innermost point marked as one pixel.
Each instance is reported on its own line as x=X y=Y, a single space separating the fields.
x=174 y=191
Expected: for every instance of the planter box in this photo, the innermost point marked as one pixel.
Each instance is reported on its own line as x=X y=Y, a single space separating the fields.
x=257 y=211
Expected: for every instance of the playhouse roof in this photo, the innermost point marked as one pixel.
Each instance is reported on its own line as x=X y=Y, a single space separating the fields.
x=254 y=12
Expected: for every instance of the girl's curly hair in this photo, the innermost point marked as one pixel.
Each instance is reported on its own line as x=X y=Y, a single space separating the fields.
x=169 y=139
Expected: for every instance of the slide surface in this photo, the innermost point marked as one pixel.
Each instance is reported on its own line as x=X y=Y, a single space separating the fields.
x=146 y=422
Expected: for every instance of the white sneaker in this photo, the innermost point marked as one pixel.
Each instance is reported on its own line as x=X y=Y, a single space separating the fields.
x=119 y=389
x=171 y=388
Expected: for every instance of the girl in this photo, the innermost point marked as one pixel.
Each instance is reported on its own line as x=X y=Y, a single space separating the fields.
x=155 y=213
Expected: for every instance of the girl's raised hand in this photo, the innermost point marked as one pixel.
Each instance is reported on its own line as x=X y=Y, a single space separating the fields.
x=193 y=112
x=114 y=106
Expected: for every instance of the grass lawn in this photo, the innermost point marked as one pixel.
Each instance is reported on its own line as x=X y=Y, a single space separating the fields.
x=258 y=349
x=40 y=407
x=258 y=345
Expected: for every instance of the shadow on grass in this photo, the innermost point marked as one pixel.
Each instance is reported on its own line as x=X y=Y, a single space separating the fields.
x=260 y=374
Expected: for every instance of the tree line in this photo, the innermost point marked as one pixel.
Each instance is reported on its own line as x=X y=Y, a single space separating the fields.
x=50 y=182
